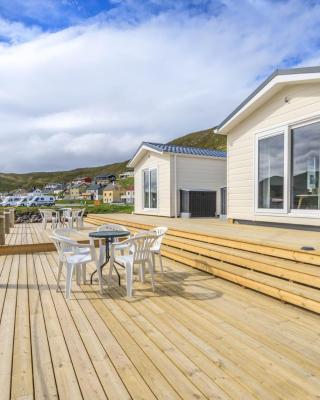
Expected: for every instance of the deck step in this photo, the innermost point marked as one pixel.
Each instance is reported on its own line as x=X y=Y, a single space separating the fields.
x=281 y=289
x=274 y=250
x=269 y=272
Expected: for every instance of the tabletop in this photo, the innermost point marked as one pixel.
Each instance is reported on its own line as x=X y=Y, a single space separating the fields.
x=108 y=234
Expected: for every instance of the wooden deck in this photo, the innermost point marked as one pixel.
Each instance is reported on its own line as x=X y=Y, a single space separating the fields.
x=275 y=268
x=196 y=337
x=31 y=238
x=276 y=237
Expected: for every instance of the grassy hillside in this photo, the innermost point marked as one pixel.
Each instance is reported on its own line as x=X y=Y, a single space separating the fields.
x=206 y=139
x=39 y=179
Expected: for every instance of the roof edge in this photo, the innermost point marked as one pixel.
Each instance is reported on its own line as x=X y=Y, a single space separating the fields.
x=277 y=72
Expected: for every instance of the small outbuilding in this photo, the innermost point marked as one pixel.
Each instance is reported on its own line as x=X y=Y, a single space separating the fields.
x=274 y=151
x=178 y=181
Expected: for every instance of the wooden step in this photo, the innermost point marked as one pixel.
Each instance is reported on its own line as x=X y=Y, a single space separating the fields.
x=281 y=277
x=293 y=293
x=275 y=250
x=290 y=270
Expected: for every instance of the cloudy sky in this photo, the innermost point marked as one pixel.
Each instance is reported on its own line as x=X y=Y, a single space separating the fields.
x=83 y=82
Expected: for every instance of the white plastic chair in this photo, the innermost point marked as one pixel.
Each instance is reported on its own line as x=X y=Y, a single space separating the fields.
x=77 y=218
x=156 y=248
x=66 y=218
x=138 y=249
x=49 y=216
x=108 y=227
x=75 y=256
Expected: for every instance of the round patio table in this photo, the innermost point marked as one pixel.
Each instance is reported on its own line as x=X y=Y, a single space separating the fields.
x=109 y=236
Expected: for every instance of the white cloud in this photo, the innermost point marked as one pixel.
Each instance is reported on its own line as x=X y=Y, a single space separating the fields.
x=88 y=95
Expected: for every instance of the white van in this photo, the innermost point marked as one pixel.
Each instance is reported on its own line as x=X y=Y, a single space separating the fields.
x=24 y=201
x=41 y=201
x=10 y=201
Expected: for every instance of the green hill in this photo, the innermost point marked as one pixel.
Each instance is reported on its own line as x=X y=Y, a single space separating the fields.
x=206 y=139
x=39 y=179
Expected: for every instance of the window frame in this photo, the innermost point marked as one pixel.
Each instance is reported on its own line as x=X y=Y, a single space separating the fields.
x=287 y=131
x=265 y=135
x=292 y=211
x=143 y=192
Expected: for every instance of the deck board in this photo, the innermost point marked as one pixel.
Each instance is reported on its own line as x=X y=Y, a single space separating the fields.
x=196 y=337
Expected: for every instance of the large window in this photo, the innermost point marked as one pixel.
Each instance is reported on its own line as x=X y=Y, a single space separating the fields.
x=305 y=158
x=150 y=188
x=271 y=172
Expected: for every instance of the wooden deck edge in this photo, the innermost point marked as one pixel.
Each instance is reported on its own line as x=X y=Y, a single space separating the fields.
x=280 y=294
x=275 y=250
x=29 y=248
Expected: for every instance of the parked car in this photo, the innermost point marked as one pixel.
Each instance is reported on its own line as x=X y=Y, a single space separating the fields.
x=23 y=201
x=38 y=201
x=10 y=201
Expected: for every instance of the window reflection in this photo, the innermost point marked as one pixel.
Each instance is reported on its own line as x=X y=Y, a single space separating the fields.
x=271 y=172
x=305 y=155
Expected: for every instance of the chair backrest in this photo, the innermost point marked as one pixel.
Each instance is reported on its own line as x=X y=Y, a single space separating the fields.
x=141 y=246
x=64 y=246
x=66 y=212
x=111 y=227
x=160 y=231
x=46 y=213
x=78 y=212
x=65 y=232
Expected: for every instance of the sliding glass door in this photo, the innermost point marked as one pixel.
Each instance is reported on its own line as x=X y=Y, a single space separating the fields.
x=271 y=172
x=305 y=163
x=150 y=188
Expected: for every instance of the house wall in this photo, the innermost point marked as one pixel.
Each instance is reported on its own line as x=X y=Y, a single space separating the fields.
x=201 y=173
x=303 y=103
x=162 y=163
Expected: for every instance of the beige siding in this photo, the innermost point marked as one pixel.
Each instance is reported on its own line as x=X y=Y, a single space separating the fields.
x=304 y=103
x=162 y=163
x=201 y=173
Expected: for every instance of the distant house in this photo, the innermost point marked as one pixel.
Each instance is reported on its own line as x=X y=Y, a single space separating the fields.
x=128 y=196
x=165 y=174
x=274 y=151
x=53 y=188
x=127 y=174
x=104 y=179
x=35 y=192
x=94 y=192
x=76 y=191
x=112 y=193
x=82 y=179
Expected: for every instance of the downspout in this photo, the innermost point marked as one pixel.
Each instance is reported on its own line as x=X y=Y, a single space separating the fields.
x=175 y=187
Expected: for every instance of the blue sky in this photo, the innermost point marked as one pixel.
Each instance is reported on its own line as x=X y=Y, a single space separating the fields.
x=84 y=82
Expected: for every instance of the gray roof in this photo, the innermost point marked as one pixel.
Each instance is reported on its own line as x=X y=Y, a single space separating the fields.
x=288 y=71
x=95 y=187
x=194 y=151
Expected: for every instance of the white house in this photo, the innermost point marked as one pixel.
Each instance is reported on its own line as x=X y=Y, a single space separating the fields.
x=162 y=172
x=274 y=151
x=126 y=174
x=128 y=196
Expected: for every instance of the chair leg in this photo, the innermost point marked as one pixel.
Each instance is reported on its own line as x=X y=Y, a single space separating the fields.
x=153 y=261
x=70 y=268
x=59 y=274
x=110 y=271
x=78 y=273
x=84 y=273
x=98 y=265
x=142 y=271
x=161 y=265
x=151 y=274
x=129 y=268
